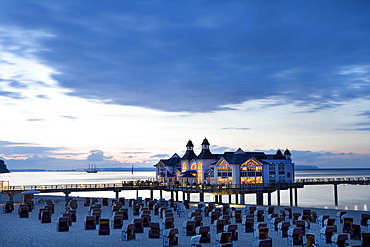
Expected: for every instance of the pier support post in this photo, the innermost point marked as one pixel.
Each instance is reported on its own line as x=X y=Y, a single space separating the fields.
x=66 y=196
x=188 y=196
x=220 y=199
x=183 y=195
x=278 y=197
x=172 y=194
x=201 y=197
x=137 y=194
x=259 y=198
x=177 y=195
x=160 y=193
x=242 y=199
x=229 y=198
x=216 y=198
x=269 y=198
x=296 y=197
x=236 y=199
x=151 y=194
x=291 y=196
x=336 y=195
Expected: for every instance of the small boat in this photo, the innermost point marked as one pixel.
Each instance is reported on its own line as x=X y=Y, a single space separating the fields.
x=92 y=169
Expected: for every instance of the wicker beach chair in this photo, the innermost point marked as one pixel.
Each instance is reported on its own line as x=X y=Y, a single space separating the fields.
x=247 y=224
x=283 y=228
x=90 y=222
x=218 y=226
x=339 y=240
x=237 y=215
x=154 y=231
x=104 y=227
x=128 y=232
x=168 y=223
x=223 y=239
x=188 y=228
x=234 y=231
x=63 y=224
x=295 y=236
x=139 y=227
x=263 y=243
x=204 y=232
x=258 y=233
x=46 y=216
x=170 y=237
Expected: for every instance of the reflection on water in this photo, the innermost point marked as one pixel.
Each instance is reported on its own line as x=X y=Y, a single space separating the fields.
x=351 y=197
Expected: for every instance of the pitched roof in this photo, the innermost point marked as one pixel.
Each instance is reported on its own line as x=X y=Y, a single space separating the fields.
x=189 y=155
x=187 y=174
x=168 y=175
x=205 y=142
x=206 y=154
x=190 y=144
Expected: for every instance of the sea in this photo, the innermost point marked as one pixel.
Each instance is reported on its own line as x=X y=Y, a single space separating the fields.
x=350 y=197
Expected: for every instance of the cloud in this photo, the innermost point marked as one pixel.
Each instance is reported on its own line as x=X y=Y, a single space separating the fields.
x=160 y=156
x=70 y=117
x=365 y=113
x=98 y=155
x=235 y=128
x=19 y=149
x=34 y=119
x=198 y=57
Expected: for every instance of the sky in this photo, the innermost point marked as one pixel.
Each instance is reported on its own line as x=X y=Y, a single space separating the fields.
x=126 y=83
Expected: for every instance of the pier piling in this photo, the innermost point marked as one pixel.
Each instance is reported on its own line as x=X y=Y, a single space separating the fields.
x=296 y=197
x=259 y=198
x=336 y=195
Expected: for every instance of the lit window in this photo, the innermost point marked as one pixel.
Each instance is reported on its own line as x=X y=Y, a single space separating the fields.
x=193 y=166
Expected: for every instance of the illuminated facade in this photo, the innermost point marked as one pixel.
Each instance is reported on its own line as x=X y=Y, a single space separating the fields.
x=232 y=168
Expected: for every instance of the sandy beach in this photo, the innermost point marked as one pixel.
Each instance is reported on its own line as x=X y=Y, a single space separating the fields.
x=16 y=231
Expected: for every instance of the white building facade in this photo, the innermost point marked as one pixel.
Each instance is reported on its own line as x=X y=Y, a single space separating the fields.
x=230 y=168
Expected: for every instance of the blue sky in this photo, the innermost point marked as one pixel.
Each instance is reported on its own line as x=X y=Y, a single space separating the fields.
x=129 y=82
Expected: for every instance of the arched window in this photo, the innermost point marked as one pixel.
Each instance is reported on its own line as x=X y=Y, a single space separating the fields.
x=193 y=166
x=200 y=172
x=224 y=172
x=183 y=168
x=251 y=172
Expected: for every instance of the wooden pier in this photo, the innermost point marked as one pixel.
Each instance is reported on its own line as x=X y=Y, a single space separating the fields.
x=216 y=190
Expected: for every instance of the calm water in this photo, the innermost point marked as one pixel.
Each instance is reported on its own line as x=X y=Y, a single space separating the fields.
x=351 y=197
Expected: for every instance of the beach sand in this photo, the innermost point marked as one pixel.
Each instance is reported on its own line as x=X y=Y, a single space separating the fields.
x=30 y=231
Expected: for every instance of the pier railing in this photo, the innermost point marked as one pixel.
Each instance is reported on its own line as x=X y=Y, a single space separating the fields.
x=227 y=188
x=129 y=185
x=85 y=187
x=355 y=180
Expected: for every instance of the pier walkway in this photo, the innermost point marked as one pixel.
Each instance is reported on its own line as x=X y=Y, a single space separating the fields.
x=217 y=190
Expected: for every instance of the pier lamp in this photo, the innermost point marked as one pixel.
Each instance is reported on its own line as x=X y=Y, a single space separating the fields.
x=4 y=185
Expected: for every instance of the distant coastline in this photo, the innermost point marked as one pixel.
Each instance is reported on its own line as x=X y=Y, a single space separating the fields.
x=138 y=169
x=302 y=167
x=150 y=169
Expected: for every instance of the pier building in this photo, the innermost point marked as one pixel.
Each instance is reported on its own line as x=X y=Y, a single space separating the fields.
x=229 y=168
